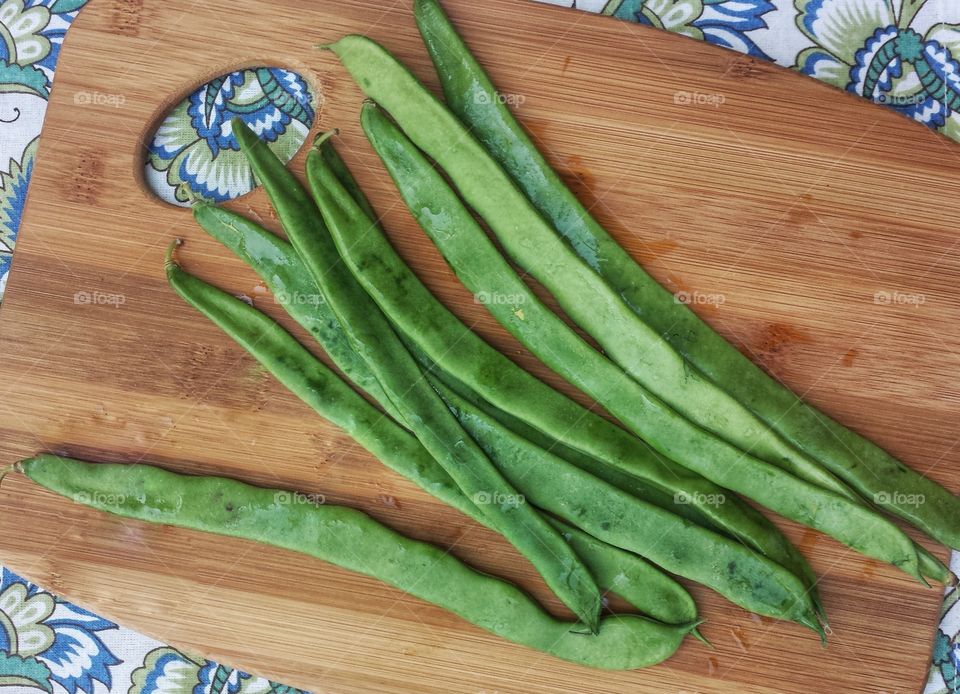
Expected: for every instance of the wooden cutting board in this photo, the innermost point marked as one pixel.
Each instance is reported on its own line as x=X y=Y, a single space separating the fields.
x=824 y=225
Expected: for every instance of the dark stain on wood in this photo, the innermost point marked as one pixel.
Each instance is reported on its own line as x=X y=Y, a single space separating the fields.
x=742 y=67
x=849 y=357
x=775 y=341
x=87 y=177
x=654 y=250
x=125 y=17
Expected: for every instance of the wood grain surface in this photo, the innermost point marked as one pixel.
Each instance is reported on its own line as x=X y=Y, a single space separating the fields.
x=814 y=230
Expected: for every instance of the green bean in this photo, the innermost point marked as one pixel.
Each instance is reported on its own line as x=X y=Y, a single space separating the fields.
x=284 y=273
x=353 y=540
x=627 y=574
x=479 y=265
x=756 y=530
x=745 y=577
x=667 y=482
x=753 y=528
x=292 y=286
x=323 y=391
x=609 y=514
x=284 y=256
x=871 y=471
x=372 y=337
x=602 y=510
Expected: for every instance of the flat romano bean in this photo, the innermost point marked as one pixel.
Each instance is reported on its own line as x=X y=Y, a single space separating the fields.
x=285 y=275
x=240 y=237
x=871 y=471
x=353 y=540
x=748 y=579
x=645 y=587
x=479 y=265
x=754 y=529
x=292 y=287
x=600 y=509
x=667 y=483
x=766 y=539
x=372 y=337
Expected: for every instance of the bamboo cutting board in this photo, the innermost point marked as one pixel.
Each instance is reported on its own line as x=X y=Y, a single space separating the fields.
x=822 y=228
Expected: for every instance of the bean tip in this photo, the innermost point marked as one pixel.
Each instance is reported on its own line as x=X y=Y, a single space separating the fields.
x=169 y=259
x=323 y=137
x=694 y=631
x=16 y=467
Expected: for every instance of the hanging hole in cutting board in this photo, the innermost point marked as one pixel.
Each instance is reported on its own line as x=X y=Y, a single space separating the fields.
x=192 y=155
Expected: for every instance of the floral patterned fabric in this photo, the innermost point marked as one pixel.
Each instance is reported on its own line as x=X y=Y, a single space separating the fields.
x=50 y=645
x=901 y=53
x=194 y=153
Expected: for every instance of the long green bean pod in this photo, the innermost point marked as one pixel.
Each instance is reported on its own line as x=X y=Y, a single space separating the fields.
x=758 y=533
x=292 y=287
x=466 y=247
x=734 y=570
x=353 y=540
x=325 y=393
x=597 y=507
x=670 y=486
x=372 y=337
x=871 y=471
x=285 y=275
x=744 y=577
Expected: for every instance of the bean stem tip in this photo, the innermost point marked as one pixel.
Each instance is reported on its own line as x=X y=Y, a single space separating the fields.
x=323 y=137
x=169 y=259
x=16 y=467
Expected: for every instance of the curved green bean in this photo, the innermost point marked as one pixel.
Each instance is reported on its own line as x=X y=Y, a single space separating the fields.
x=604 y=511
x=484 y=271
x=404 y=162
x=353 y=540
x=292 y=287
x=322 y=390
x=671 y=483
x=747 y=578
x=871 y=471
x=735 y=571
x=372 y=337
x=755 y=529
x=758 y=533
